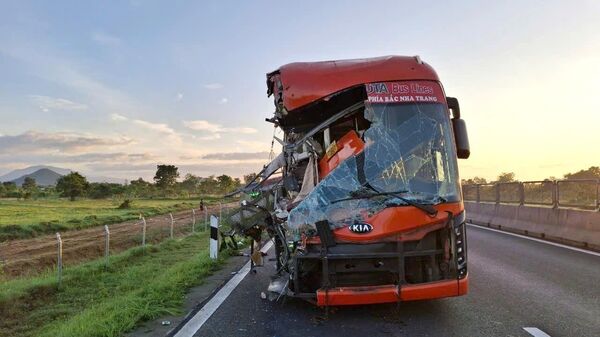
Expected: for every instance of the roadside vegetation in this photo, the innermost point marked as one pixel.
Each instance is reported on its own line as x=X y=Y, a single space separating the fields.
x=93 y=300
x=30 y=210
x=166 y=184
x=508 y=177
x=20 y=219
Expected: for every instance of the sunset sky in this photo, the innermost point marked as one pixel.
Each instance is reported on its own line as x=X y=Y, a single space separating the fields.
x=113 y=88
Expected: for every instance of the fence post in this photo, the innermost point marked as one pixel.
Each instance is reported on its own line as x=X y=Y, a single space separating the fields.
x=59 y=263
x=205 y=218
x=171 y=215
x=220 y=212
x=143 y=232
x=478 y=192
x=497 y=193
x=555 y=195
x=214 y=237
x=521 y=194
x=597 y=196
x=106 y=243
x=193 y=220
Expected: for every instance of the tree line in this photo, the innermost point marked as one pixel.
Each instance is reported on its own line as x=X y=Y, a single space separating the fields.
x=508 y=177
x=165 y=184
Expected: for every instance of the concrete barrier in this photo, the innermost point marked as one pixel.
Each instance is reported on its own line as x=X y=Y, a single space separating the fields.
x=570 y=226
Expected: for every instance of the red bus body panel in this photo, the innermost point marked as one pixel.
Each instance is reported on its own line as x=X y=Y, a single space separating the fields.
x=307 y=82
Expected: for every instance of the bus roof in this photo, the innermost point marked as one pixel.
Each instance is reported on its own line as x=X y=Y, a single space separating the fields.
x=300 y=83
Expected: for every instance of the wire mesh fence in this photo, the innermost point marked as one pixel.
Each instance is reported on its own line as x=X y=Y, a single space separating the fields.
x=21 y=258
x=583 y=194
x=509 y=192
x=470 y=192
x=538 y=192
x=578 y=193
x=487 y=192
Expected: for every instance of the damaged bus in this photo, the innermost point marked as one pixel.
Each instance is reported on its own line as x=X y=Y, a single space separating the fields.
x=364 y=202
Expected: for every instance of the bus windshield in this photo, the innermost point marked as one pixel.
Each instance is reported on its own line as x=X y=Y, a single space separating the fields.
x=408 y=148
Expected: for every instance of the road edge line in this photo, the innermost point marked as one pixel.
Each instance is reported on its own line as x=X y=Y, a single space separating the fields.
x=536 y=332
x=536 y=239
x=201 y=316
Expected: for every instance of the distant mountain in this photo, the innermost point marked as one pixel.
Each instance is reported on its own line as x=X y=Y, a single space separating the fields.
x=16 y=174
x=19 y=175
x=43 y=177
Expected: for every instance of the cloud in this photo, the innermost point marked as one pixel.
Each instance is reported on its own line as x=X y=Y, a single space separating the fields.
x=106 y=39
x=213 y=86
x=262 y=156
x=47 y=103
x=255 y=145
x=204 y=125
x=223 y=100
x=85 y=158
x=179 y=97
x=111 y=157
x=158 y=127
x=65 y=142
x=117 y=117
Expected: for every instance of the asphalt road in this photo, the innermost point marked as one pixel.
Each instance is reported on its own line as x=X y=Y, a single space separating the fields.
x=514 y=283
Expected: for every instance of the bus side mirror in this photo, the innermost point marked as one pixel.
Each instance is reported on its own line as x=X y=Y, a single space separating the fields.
x=462 y=139
x=460 y=129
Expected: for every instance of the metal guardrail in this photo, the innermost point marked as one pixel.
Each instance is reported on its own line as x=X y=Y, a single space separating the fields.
x=580 y=193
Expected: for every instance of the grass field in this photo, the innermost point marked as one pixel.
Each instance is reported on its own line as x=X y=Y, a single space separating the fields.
x=97 y=301
x=28 y=218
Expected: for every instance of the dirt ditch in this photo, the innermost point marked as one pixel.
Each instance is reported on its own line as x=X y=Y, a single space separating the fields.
x=20 y=258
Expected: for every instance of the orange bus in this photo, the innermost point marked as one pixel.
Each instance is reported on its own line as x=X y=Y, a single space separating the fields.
x=364 y=202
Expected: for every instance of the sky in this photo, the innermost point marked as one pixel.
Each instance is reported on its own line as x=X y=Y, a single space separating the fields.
x=113 y=88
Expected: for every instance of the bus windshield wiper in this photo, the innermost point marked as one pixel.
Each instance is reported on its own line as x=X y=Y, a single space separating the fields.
x=371 y=192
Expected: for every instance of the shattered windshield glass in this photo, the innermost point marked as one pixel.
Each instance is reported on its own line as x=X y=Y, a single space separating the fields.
x=408 y=148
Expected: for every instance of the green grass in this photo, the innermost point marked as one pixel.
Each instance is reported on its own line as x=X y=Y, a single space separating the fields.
x=97 y=301
x=21 y=219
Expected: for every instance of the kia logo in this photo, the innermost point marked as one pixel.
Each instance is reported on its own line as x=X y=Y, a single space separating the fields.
x=360 y=228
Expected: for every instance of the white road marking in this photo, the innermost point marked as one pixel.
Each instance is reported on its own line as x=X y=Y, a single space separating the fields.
x=196 y=322
x=538 y=240
x=536 y=332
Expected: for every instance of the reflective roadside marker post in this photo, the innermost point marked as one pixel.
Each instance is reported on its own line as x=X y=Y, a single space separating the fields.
x=106 y=243
x=143 y=232
x=59 y=264
x=171 y=215
x=193 y=220
x=214 y=237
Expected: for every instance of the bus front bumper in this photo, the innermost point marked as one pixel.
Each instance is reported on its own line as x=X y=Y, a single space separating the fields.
x=389 y=293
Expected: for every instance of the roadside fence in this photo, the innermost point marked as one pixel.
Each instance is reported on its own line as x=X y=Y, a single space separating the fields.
x=582 y=194
x=29 y=257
